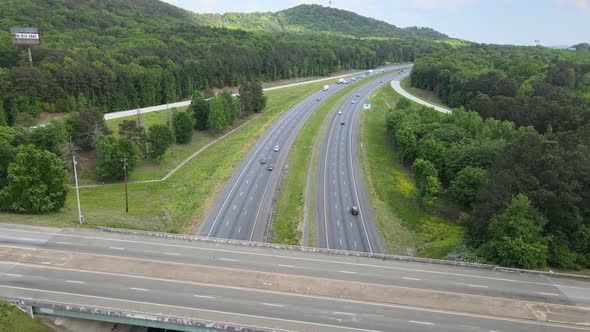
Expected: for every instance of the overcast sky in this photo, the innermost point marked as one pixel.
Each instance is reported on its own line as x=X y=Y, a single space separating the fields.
x=553 y=22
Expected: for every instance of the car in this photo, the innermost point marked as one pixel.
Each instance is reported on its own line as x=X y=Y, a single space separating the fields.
x=352 y=101
x=318 y=98
x=354 y=210
x=342 y=123
x=276 y=148
x=269 y=167
x=358 y=95
x=380 y=81
x=263 y=161
x=339 y=112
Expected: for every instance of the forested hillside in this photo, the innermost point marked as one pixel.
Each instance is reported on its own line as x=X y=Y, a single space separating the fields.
x=116 y=55
x=527 y=195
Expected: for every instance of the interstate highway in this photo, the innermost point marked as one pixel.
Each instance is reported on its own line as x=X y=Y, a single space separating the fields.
x=243 y=210
x=276 y=288
x=339 y=185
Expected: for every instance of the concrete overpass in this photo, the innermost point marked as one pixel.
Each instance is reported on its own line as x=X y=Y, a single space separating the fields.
x=191 y=284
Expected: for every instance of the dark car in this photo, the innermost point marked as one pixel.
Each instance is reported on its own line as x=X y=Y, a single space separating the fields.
x=342 y=123
x=269 y=167
x=354 y=210
x=263 y=161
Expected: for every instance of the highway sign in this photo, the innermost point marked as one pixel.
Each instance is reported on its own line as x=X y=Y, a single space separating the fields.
x=367 y=106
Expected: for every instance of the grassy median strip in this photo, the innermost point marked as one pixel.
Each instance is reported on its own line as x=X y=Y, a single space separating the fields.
x=406 y=228
x=180 y=203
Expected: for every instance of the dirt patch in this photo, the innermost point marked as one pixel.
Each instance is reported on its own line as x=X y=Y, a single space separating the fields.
x=45 y=117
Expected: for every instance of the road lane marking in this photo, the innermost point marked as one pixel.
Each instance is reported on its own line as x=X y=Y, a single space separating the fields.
x=355 y=245
x=13 y=275
x=75 y=282
x=420 y=322
x=239 y=229
x=413 y=279
x=139 y=289
x=171 y=254
x=228 y=259
x=285 y=265
x=343 y=313
x=347 y=272
x=116 y=248
x=250 y=197
x=272 y=304
x=204 y=296
x=58 y=242
x=548 y=294
x=340 y=242
x=235 y=206
x=478 y=286
x=227 y=223
x=246 y=212
x=282 y=257
x=241 y=193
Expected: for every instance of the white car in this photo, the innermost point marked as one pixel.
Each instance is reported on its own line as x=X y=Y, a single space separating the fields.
x=352 y=101
x=276 y=148
x=339 y=112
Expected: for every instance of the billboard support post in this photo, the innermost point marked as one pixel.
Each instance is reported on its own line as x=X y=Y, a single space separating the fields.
x=30 y=56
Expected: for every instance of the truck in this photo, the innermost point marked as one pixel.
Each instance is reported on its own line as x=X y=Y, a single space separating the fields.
x=326 y=87
x=369 y=72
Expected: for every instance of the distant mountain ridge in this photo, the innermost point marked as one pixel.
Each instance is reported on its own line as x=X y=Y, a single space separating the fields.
x=315 y=19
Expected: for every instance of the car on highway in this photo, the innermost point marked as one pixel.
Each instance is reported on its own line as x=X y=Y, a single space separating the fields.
x=269 y=167
x=342 y=123
x=358 y=95
x=318 y=98
x=263 y=161
x=276 y=148
x=354 y=210
x=339 y=112
x=352 y=101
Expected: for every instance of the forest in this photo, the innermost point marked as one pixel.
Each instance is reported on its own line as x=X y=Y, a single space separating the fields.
x=514 y=154
x=118 y=55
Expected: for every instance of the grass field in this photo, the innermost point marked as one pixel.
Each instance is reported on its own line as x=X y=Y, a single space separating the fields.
x=14 y=320
x=428 y=96
x=179 y=203
x=406 y=228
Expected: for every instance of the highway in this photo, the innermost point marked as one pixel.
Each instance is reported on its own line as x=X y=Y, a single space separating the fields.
x=339 y=185
x=280 y=289
x=244 y=209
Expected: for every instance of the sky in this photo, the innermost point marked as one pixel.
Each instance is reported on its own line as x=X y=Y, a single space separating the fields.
x=519 y=22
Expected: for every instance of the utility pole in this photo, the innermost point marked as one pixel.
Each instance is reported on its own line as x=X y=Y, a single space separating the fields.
x=80 y=217
x=124 y=160
x=30 y=56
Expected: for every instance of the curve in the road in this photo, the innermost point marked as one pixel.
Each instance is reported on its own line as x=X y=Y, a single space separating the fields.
x=396 y=85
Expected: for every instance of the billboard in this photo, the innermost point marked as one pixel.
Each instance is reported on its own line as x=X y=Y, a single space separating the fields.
x=25 y=36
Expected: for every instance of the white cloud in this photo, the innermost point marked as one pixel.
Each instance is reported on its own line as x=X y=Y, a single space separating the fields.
x=581 y=5
x=441 y=4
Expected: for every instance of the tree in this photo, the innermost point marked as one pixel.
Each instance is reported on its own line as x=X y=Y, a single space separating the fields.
x=426 y=179
x=37 y=182
x=217 y=116
x=252 y=99
x=3 y=119
x=405 y=139
x=49 y=137
x=136 y=134
x=200 y=110
x=230 y=105
x=160 y=138
x=110 y=152
x=85 y=127
x=183 y=127
x=516 y=236
x=466 y=186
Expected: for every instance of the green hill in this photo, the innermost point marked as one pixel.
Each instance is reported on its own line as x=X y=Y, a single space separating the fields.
x=315 y=19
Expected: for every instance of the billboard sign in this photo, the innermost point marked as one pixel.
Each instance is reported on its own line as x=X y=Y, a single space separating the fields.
x=367 y=106
x=25 y=36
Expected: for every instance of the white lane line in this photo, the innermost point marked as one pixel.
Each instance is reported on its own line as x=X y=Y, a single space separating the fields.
x=351 y=224
x=240 y=229
x=548 y=294
x=355 y=245
x=247 y=181
x=235 y=206
x=413 y=279
x=59 y=242
x=241 y=193
x=116 y=248
x=340 y=241
x=272 y=304
x=345 y=195
x=171 y=254
x=347 y=272
x=478 y=286
x=285 y=265
x=250 y=197
x=420 y=322
x=228 y=259
x=334 y=194
x=343 y=313
x=246 y=212
x=322 y=261
x=227 y=223
x=338 y=224
x=27 y=239
x=139 y=289
x=14 y=275
x=75 y=281
x=204 y=296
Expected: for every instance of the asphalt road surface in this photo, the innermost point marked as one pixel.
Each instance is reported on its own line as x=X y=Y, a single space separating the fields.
x=339 y=185
x=280 y=289
x=244 y=209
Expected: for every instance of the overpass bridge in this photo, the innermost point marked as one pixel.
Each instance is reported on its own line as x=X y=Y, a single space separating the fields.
x=189 y=283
